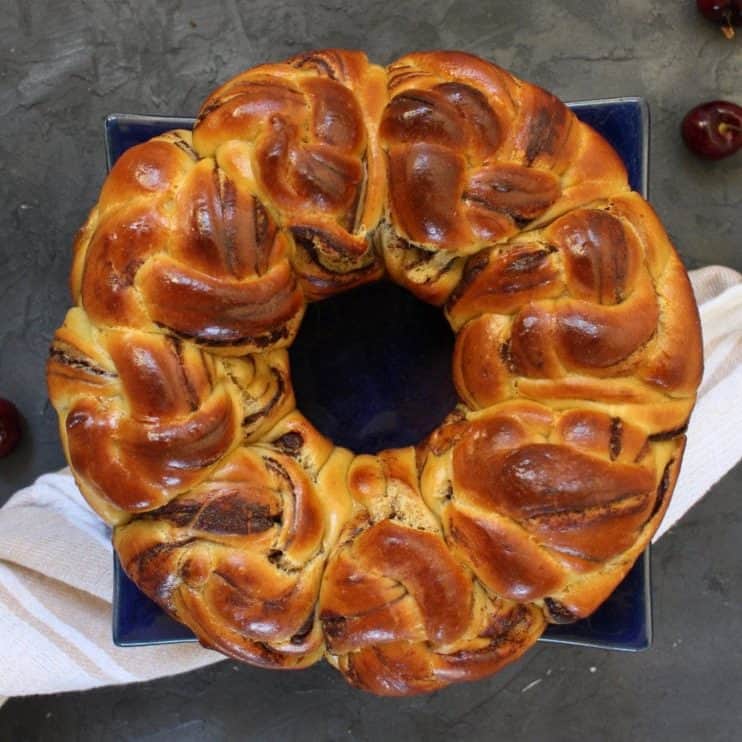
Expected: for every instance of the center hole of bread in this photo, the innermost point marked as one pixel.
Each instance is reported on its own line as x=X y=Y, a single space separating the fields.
x=371 y=368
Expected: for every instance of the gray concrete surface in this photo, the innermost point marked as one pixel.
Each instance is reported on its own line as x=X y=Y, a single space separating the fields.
x=64 y=65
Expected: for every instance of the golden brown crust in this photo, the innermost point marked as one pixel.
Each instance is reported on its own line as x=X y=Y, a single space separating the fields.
x=476 y=156
x=547 y=506
x=592 y=299
x=176 y=244
x=401 y=615
x=239 y=559
x=577 y=359
x=145 y=417
x=304 y=132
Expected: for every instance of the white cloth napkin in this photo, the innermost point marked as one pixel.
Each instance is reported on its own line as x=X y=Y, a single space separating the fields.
x=714 y=442
x=56 y=562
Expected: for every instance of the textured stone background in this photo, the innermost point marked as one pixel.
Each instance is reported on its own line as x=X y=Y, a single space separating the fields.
x=64 y=65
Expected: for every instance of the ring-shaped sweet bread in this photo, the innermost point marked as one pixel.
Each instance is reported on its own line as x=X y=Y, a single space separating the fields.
x=577 y=360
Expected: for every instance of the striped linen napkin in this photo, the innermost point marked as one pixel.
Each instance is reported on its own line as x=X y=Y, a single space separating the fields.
x=55 y=554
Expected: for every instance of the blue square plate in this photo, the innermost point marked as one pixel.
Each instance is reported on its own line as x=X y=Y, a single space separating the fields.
x=377 y=414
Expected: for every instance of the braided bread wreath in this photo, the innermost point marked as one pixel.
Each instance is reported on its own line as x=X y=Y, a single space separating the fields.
x=577 y=359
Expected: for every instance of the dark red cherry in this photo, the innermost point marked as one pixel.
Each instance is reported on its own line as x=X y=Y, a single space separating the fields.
x=10 y=427
x=713 y=129
x=726 y=12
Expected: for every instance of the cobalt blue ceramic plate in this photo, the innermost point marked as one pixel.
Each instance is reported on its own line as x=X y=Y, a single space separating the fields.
x=367 y=400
